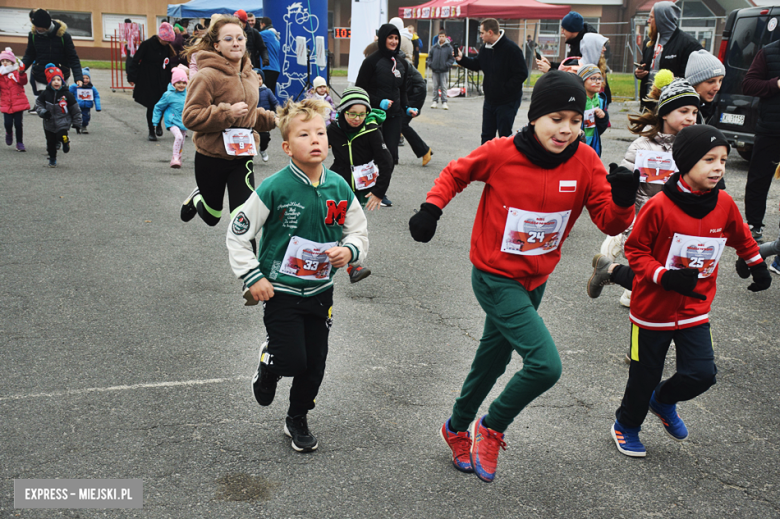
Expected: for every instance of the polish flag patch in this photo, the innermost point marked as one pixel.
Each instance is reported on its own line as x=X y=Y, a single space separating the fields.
x=567 y=186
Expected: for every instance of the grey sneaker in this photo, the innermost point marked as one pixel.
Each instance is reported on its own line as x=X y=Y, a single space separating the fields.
x=600 y=276
x=264 y=155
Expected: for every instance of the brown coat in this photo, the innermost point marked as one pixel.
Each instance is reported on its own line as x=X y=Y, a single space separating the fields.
x=210 y=94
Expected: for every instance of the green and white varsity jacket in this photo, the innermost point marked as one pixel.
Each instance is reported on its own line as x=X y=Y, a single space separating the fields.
x=287 y=209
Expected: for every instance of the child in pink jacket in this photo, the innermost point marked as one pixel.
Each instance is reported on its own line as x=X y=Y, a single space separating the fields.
x=13 y=100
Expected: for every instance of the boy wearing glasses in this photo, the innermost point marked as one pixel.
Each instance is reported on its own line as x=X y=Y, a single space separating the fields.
x=361 y=156
x=596 y=119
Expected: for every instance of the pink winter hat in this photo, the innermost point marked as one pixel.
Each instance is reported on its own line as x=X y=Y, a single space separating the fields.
x=166 y=32
x=178 y=75
x=8 y=54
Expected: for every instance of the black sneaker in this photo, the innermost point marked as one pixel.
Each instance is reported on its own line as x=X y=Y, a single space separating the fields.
x=52 y=162
x=159 y=130
x=65 y=144
x=302 y=439
x=188 y=209
x=264 y=382
x=152 y=136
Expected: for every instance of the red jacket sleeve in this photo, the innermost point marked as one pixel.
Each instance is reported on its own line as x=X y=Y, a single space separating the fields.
x=641 y=242
x=609 y=217
x=459 y=173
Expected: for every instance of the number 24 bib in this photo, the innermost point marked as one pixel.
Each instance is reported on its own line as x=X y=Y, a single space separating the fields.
x=306 y=259
x=695 y=252
x=532 y=234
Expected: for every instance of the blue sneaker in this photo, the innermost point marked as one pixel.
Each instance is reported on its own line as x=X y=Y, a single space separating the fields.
x=627 y=440
x=775 y=266
x=673 y=424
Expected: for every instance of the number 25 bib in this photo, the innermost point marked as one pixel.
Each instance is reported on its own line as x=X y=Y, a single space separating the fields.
x=695 y=252
x=532 y=234
x=306 y=259
x=239 y=142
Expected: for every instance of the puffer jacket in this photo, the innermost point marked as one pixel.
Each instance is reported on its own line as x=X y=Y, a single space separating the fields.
x=54 y=46
x=383 y=74
x=170 y=107
x=211 y=93
x=12 y=96
x=441 y=57
x=661 y=142
x=62 y=106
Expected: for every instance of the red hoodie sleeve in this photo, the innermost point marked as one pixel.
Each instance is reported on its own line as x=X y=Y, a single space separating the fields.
x=459 y=173
x=641 y=242
x=609 y=217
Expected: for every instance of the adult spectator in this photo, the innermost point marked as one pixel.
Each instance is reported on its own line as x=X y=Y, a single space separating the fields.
x=763 y=81
x=440 y=60
x=705 y=73
x=150 y=72
x=503 y=65
x=669 y=47
x=406 y=37
x=50 y=42
x=251 y=20
x=573 y=28
x=271 y=39
x=255 y=45
x=417 y=44
x=530 y=51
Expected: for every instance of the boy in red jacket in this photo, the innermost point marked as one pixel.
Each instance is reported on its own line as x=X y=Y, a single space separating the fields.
x=536 y=185
x=674 y=250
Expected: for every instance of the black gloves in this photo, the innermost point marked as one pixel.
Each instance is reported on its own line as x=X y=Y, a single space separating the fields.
x=762 y=279
x=682 y=281
x=624 y=184
x=743 y=270
x=422 y=225
x=46 y=115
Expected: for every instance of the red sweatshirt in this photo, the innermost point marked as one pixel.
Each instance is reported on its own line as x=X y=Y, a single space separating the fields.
x=664 y=235
x=527 y=212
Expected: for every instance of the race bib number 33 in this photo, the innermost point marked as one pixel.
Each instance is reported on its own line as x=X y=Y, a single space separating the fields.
x=306 y=259
x=531 y=234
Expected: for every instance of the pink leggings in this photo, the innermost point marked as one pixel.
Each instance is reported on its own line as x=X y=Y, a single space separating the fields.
x=179 y=137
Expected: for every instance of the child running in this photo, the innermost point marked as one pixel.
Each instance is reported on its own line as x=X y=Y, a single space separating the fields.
x=674 y=249
x=651 y=154
x=360 y=155
x=309 y=223
x=87 y=96
x=267 y=101
x=13 y=100
x=321 y=92
x=596 y=118
x=536 y=186
x=169 y=108
x=59 y=110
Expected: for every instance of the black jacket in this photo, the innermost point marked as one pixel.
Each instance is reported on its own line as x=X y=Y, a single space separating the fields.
x=255 y=46
x=54 y=46
x=504 y=69
x=675 y=53
x=146 y=70
x=367 y=145
x=574 y=44
x=416 y=89
x=384 y=73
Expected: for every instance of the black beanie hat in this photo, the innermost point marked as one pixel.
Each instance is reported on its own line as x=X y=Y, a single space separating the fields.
x=693 y=142
x=556 y=91
x=41 y=19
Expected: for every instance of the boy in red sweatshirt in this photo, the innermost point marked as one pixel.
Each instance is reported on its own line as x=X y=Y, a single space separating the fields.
x=536 y=185
x=674 y=249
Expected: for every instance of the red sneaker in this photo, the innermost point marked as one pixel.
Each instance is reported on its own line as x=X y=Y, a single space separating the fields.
x=460 y=443
x=484 y=450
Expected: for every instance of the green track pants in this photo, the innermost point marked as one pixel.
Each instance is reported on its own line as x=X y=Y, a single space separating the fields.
x=511 y=324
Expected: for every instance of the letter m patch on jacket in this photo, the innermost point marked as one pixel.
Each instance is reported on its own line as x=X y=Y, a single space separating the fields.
x=337 y=212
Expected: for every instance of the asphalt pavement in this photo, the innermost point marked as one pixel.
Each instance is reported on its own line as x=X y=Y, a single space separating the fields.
x=127 y=353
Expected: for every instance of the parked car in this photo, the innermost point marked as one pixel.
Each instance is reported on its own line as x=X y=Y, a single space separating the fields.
x=747 y=31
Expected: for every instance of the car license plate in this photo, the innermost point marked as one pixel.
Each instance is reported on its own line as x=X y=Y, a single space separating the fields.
x=735 y=119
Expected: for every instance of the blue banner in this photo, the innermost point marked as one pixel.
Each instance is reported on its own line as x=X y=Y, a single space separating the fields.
x=307 y=18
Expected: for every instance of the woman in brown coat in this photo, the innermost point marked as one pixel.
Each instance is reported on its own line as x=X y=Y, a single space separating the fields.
x=221 y=110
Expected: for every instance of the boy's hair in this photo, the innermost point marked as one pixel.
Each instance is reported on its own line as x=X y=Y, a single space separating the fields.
x=490 y=24
x=208 y=40
x=308 y=108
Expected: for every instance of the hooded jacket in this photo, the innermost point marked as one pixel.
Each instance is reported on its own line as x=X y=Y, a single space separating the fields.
x=590 y=48
x=211 y=93
x=574 y=44
x=53 y=46
x=170 y=107
x=271 y=40
x=358 y=146
x=676 y=46
x=12 y=96
x=504 y=68
x=150 y=72
x=383 y=74
x=441 y=57
x=62 y=106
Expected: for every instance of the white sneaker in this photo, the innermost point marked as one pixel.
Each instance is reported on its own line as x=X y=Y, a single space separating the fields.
x=264 y=155
x=612 y=246
x=435 y=105
x=625 y=299
x=444 y=106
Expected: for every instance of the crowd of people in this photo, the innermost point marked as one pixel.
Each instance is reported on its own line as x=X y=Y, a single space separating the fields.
x=663 y=208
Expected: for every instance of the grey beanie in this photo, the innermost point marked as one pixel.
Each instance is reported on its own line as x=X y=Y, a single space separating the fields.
x=703 y=66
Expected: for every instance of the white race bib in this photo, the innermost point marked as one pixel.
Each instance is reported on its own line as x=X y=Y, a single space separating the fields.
x=365 y=175
x=589 y=118
x=532 y=234
x=655 y=167
x=239 y=142
x=695 y=252
x=306 y=259
x=85 y=94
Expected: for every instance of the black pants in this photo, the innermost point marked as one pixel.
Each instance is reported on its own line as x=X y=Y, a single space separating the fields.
x=14 y=121
x=271 y=77
x=415 y=141
x=695 y=369
x=766 y=155
x=150 y=116
x=52 y=138
x=623 y=275
x=498 y=118
x=265 y=138
x=212 y=175
x=391 y=131
x=298 y=329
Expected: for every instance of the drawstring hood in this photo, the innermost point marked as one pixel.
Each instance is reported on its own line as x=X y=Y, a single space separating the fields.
x=385 y=31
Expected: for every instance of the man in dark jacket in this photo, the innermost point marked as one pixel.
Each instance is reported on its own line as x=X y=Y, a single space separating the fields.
x=255 y=45
x=49 y=42
x=573 y=27
x=503 y=64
